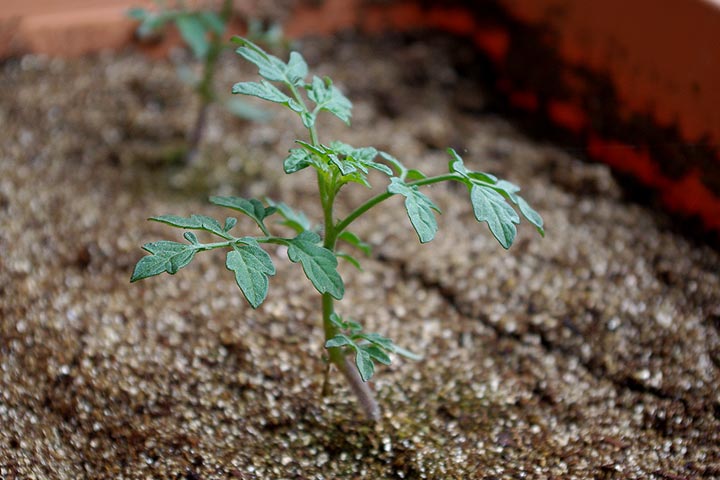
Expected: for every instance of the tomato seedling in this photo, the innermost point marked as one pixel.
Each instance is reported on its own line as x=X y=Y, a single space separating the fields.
x=203 y=30
x=349 y=347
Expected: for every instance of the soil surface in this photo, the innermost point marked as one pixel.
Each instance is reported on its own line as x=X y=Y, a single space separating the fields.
x=591 y=353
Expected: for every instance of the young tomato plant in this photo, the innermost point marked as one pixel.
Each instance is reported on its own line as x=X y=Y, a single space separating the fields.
x=202 y=31
x=349 y=348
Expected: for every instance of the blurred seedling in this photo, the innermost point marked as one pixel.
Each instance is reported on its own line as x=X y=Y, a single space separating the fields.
x=317 y=247
x=203 y=32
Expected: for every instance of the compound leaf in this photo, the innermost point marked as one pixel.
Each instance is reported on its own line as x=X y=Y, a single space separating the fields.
x=319 y=263
x=252 y=266
x=419 y=209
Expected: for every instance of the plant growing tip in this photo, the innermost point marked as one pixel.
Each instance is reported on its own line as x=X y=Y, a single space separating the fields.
x=315 y=247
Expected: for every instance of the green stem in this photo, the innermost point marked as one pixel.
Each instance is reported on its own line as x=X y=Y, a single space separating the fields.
x=312 y=130
x=206 y=93
x=337 y=357
x=359 y=211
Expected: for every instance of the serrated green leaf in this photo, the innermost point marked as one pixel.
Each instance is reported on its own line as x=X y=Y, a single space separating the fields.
x=346 y=167
x=377 y=354
x=319 y=263
x=487 y=194
x=297 y=160
x=338 y=341
x=328 y=98
x=178 y=221
x=364 y=364
x=419 y=209
x=362 y=158
x=264 y=90
x=271 y=67
x=531 y=215
x=252 y=207
x=352 y=163
x=210 y=224
x=489 y=206
x=193 y=32
x=252 y=266
x=365 y=156
x=301 y=158
x=296 y=220
x=319 y=150
x=297 y=69
x=165 y=256
x=317 y=91
x=194 y=222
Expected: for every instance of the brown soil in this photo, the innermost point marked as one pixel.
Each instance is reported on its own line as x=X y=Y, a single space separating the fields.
x=592 y=353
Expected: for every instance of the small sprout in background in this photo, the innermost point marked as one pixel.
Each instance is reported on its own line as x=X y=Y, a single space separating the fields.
x=203 y=31
x=349 y=347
